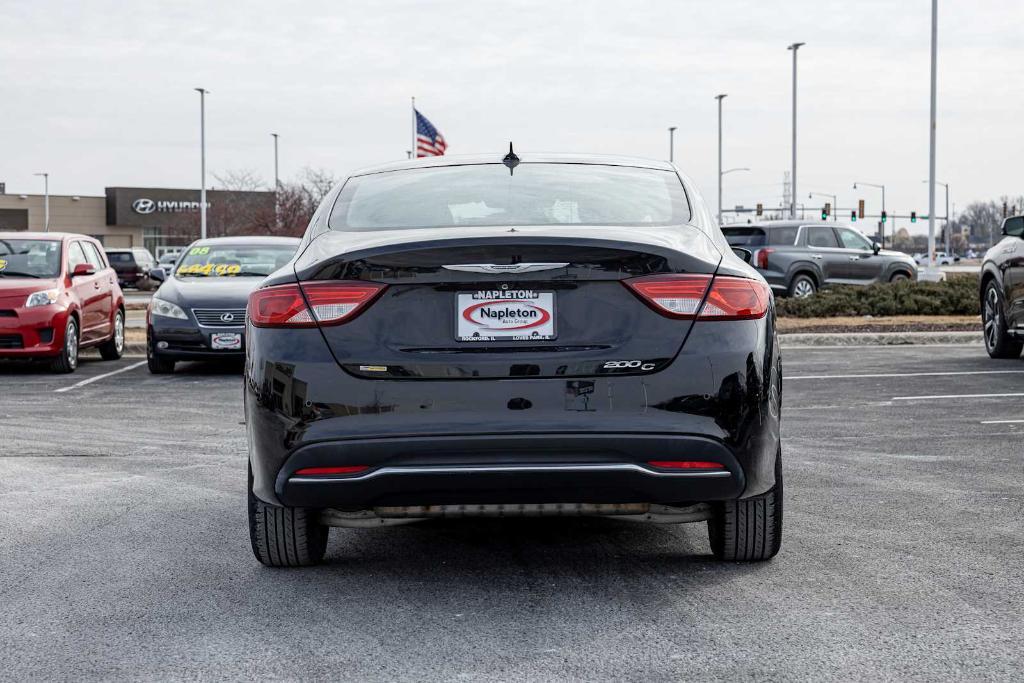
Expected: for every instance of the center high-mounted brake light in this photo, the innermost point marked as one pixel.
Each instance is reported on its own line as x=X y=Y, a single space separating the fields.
x=686 y=297
x=305 y=305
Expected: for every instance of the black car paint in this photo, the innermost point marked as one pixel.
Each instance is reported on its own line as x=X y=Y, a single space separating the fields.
x=717 y=389
x=1004 y=264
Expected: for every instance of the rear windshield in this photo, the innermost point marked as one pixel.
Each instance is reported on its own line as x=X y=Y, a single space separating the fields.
x=120 y=257
x=488 y=195
x=744 y=237
x=29 y=258
x=234 y=260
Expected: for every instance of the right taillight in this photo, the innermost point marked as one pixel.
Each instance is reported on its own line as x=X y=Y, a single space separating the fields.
x=681 y=296
x=306 y=305
x=762 y=258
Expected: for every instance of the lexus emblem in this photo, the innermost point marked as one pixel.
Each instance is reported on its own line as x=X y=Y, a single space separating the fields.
x=143 y=205
x=227 y=317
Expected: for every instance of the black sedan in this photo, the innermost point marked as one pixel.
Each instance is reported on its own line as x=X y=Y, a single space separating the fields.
x=198 y=313
x=546 y=335
x=1002 y=292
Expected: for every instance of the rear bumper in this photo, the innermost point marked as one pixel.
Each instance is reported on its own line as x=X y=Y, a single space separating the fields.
x=187 y=341
x=521 y=468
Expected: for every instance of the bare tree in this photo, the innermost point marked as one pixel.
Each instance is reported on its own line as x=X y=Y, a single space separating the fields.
x=243 y=180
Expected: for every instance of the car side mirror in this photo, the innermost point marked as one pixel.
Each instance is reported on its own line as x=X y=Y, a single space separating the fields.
x=744 y=254
x=876 y=247
x=83 y=269
x=158 y=274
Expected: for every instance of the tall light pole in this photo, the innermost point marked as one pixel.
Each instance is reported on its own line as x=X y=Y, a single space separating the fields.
x=946 y=186
x=931 y=140
x=277 y=183
x=834 y=198
x=720 y=174
x=202 y=161
x=792 y=210
x=881 y=230
x=46 y=201
x=672 y=143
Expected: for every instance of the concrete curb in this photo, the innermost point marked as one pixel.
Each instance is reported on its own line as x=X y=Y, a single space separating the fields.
x=801 y=339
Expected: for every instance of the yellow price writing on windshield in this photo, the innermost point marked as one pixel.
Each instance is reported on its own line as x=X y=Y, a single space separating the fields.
x=210 y=269
x=198 y=251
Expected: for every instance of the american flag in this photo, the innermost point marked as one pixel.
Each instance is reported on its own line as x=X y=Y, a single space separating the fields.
x=429 y=141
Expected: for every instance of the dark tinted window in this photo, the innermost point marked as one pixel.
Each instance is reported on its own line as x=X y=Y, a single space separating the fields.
x=1015 y=226
x=744 y=237
x=783 y=236
x=120 y=257
x=821 y=236
x=488 y=195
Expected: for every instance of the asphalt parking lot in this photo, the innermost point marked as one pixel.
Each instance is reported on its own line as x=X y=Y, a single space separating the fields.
x=125 y=550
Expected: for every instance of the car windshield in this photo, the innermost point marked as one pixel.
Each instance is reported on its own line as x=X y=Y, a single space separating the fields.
x=234 y=260
x=29 y=258
x=488 y=195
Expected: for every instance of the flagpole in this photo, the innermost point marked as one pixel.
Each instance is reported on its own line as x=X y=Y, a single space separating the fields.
x=413 y=148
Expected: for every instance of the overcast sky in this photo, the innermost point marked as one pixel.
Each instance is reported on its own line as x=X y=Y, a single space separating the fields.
x=100 y=93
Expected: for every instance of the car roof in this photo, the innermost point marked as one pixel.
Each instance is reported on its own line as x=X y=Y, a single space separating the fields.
x=254 y=239
x=525 y=157
x=52 y=236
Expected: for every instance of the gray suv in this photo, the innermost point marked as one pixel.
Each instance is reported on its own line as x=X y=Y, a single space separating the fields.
x=798 y=257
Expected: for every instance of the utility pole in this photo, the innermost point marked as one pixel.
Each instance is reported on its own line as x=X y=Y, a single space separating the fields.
x=671 y=144
x=46 y=201
x=792 y=212
x=720 y=98
x=277 y=182
x=931 y=141
x=202 y=161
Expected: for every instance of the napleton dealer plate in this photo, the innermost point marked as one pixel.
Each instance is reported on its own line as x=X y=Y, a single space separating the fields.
x=505 y=315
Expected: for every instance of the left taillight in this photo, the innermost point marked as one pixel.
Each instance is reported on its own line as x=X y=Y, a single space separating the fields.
x=310 y=303
x=687 y=297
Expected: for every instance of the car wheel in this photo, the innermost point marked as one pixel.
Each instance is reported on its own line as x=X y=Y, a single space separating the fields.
x=998 y=342
x=113 y=348
x=749 y=530
x=899 y=277
x=285 y=536
x=157 y=364
x=67 y=361
x=802 y=286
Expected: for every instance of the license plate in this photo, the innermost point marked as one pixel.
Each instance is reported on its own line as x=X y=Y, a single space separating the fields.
x=226 y=341
x=505 y=315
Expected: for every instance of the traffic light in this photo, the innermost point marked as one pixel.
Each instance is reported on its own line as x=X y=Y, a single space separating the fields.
x=853 y=216
x=860 y=208
x=883 y=217
x=825 y=211
x=913 y=216
x=760 y=208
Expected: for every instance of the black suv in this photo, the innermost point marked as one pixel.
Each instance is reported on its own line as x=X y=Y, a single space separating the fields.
x=132 y=266
x=797 y=257
x=1002 y=292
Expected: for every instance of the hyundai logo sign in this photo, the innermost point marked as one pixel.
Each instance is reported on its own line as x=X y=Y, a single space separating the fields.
x=143 y=205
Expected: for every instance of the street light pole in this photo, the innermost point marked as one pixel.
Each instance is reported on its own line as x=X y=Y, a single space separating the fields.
x=792 y=211
x=277 y=182
x=931 y=139
x=202 y=161
x=46 y=201
x=882 y=229
x=671 y=143
x=834 y=198
x=720 y=174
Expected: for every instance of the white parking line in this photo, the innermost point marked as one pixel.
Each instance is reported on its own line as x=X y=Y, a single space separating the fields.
x=944 y=396
x=99 y=377
x=1001 y=422
x=908 y=374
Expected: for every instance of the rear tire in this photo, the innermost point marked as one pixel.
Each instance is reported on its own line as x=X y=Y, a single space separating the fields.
x=748 y=530
x=899 y=277
x=113 y=348
x=67 y=361
x=802 y=286
x=998 y=342
x=285 y=536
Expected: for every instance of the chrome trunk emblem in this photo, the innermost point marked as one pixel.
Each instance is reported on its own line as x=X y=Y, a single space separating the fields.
x=497 y=268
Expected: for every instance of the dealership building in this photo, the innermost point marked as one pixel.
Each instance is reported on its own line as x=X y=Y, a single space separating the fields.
x=159 y=219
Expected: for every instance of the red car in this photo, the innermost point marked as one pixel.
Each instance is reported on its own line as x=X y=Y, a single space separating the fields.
x=58 y=294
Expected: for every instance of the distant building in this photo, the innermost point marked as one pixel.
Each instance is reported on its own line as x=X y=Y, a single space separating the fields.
x=160 y=219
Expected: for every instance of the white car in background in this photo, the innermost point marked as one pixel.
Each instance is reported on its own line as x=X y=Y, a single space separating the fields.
x=941 y=259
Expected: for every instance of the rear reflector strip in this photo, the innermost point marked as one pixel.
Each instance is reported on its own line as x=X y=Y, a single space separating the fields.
x=348 y=469
x=686 y=465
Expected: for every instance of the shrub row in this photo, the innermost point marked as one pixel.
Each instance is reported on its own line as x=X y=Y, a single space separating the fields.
x=955 y=296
